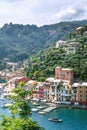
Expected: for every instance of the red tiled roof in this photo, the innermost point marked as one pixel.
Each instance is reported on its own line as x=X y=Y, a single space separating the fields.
x=23 y=80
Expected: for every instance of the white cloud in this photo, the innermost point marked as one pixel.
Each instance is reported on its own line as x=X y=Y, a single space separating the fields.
x=63 y=13
x=69 y=14
x=41 y=12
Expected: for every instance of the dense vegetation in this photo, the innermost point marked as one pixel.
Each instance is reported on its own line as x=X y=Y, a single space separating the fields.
x=18 y=42
x=43 y=64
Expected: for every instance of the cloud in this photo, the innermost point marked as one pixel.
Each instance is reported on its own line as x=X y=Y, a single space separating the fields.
x=69 y=14
x=41 y=12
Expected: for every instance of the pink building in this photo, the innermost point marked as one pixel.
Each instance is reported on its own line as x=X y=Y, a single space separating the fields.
x=64 y=74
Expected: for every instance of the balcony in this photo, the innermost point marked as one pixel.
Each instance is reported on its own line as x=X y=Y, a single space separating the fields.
x=65 y=95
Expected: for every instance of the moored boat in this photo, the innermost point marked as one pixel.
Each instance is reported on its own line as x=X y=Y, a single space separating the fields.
x=41 y=112
x=7 y=105
x=34 y=109
x=55 y=119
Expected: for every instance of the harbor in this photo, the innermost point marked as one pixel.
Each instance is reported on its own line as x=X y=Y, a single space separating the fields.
x=73 y=119
x=49 y=115
x=43 y=109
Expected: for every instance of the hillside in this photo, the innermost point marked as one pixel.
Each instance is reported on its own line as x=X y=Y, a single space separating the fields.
x=43 y=64
x=18 y=42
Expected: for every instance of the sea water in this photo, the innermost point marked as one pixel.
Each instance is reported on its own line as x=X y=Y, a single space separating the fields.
x=73 y=119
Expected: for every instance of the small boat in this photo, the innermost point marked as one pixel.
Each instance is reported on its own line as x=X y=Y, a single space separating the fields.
x=41 y=107
x=8 y=105
x=36 y=104
x=55 y=119
x=2 y=98
x=70 y=107
x=41 y=112
x=34 y=109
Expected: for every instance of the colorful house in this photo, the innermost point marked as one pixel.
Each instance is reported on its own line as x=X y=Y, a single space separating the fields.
x=79 y=93
x=64 y=94
x=38 y=91
x=64 y=74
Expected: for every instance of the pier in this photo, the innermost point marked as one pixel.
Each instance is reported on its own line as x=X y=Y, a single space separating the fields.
x=47 y=110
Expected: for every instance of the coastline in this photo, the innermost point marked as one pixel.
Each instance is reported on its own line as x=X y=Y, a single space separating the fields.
x=84 y=107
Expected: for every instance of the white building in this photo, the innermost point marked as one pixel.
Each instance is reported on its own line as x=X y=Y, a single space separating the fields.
x=72 y=47
x=64 y=94
x=60 y=43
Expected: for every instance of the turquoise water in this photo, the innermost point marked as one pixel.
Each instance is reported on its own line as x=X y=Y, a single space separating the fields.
x=4 y=111
x=73 y=119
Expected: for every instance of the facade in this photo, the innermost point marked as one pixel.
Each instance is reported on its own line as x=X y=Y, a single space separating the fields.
x=79 y=93
x=51 y=89
x=72 y=50
x=38 y=92
x=60 y=43
x=72 y=47
x=46 y=87
x=54 y=90
x=64 y=94
x=30 y=84
x=64 y=74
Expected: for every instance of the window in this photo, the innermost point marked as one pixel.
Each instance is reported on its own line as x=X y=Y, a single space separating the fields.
x=53 y=90
x=80 y=99
x=67 y=72
x=80 y=95
x=75 y=91
x=62 y=74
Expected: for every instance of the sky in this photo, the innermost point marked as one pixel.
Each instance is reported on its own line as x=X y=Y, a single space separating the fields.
x=41 y=12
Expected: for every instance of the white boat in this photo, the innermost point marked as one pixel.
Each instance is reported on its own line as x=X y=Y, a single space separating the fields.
x=41 y=107
x=41 y=112
x=36 y=104
x=55 y=119
x=8 y=104
x=2 y=98
x=34 y=109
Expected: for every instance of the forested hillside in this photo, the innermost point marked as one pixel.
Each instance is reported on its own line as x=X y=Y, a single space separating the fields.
x=43 y=64
x=18 y=42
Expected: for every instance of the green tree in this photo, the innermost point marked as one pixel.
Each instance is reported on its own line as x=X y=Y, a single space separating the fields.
x=20 y=112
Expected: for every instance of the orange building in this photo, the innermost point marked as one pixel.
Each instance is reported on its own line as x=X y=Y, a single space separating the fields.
x=79 y=93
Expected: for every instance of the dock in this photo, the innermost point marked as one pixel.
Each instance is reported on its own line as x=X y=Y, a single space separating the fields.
x=47 y=110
